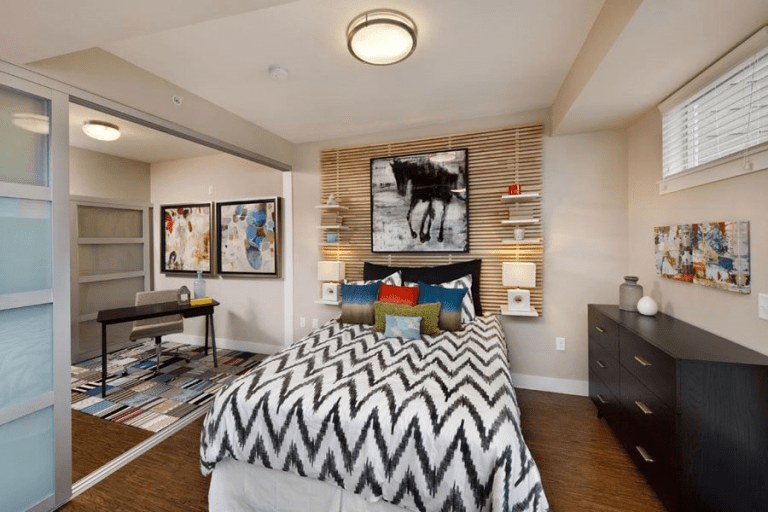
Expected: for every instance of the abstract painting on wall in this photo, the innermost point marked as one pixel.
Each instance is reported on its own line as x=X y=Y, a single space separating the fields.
x=185 y=244
x=248 y=236
x=712 y=254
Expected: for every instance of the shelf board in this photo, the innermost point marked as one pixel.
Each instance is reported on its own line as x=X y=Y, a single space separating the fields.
x=329 y=302
x=331 y=207
x=104 y=241
x=520 y=221
x=335 y=228
x=516 y=197
x=93 y=278
x=506 y=312
x=523 y=241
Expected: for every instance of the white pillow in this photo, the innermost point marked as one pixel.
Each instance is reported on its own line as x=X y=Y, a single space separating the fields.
x=394 y=279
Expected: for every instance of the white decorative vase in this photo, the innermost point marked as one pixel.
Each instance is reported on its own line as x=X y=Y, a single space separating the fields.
x=647 y=306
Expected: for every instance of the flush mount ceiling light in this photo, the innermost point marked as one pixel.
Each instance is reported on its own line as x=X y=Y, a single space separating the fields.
x=35 y=123
x=381 y=37
x=100 y=130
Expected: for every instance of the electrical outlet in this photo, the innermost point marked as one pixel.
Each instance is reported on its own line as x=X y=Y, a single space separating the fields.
x=762 y=306
x=302 y=321
x=560 y=343
x=315 y=323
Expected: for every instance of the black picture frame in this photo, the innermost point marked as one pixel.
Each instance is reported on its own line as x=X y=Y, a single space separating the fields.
x=420 y=202
x=185 y=238
x=248 y=237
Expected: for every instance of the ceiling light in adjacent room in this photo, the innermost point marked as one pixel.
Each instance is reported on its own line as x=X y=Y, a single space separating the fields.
x=35 y=123
x=381 y=37
x=100 y=130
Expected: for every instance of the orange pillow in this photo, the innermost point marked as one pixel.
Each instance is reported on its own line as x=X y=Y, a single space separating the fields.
x=399 y=294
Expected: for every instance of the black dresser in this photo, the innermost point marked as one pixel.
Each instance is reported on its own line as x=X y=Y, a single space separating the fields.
x=690 y=408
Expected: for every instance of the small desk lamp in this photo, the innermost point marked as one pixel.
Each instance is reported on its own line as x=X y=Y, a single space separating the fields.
x=520 y=275
x=331 y=271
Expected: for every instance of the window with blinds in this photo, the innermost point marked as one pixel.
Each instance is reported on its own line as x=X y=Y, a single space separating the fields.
x=728 y=117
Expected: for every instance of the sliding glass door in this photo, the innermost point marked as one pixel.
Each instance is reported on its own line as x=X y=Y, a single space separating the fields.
x=35 y=445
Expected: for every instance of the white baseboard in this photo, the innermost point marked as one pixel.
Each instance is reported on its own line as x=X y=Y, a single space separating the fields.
x=247 y=346
x=551 y=384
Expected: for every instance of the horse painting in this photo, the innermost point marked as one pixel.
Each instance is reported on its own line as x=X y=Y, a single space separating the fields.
x=423 y=190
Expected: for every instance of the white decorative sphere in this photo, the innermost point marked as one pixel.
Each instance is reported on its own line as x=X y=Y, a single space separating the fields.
x=647 y=306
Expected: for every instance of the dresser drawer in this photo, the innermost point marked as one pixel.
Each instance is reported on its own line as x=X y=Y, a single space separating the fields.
x=605 y=331
x=608 y=405
x=661 y=475
x=648 y=417
x=605 y=366
x=653 y=368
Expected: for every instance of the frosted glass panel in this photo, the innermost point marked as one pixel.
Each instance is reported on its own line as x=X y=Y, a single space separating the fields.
x=27 y=469
x=23 y=149
x=25 y=245
x=94 y=222
x=26 y=353
x=109 y=294
x=110 y=259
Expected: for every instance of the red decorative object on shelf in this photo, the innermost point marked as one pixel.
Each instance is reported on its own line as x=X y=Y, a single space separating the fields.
x=515 y=189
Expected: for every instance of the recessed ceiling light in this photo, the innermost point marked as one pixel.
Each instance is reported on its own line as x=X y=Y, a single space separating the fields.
x=35 y=123
x=381 y=37
x=100 y=130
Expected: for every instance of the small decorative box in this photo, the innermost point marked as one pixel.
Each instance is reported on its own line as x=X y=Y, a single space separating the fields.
x=515 y=189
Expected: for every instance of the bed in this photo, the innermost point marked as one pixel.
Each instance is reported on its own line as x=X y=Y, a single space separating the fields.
x=351 y=419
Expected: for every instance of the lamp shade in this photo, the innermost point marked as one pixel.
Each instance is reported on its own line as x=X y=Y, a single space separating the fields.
x=519 y=274
x=330 y=270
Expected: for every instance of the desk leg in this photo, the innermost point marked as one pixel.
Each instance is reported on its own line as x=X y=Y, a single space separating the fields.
x=206 y=333
x=213 y=342
x=103 y=360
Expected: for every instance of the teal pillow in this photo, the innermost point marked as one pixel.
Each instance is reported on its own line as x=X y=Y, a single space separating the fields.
x=450 y=304
x=357 y=303
x=408 y=327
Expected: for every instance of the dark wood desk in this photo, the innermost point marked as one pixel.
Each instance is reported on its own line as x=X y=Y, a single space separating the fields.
x=133 y=313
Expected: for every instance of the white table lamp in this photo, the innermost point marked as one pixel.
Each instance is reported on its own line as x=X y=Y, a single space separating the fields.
x=332 y=271
x=520 y=275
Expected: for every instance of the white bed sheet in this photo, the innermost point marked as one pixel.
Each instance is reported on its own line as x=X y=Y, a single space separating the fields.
x=242 y=487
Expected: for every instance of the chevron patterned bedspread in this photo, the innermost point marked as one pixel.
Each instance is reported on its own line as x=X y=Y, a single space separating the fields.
x=427 y=425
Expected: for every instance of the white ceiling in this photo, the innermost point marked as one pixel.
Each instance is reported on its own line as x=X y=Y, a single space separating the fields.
x=473 y=59
x=136 y=142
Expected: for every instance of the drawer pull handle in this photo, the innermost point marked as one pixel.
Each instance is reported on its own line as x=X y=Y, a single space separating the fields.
x=600 y=329
x=644 y=454
x=600 y=363
x=602 y=400
x=643 y=361
x=643 y=407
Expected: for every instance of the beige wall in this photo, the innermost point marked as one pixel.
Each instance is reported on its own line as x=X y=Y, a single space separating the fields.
x=728 y=314
x=101 y=175
x=252 y=308
x=585 y=220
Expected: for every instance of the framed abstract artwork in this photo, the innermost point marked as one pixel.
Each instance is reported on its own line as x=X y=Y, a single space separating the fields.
x=185 y=238
x=419 y=203
x=248 y=236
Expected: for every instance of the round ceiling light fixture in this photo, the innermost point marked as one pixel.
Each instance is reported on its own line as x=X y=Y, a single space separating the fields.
x=101 y=130
x=381 y=37
x=35 y=123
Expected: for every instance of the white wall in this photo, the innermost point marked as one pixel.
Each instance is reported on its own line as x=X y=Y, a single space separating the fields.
x=585 y=230
x=728 y=314
x=252 y=308
x=106 y=176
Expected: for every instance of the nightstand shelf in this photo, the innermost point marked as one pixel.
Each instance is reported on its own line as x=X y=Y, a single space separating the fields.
x=514 y=222
x=523 y=241
x=329 y=302
x=334 y=228
x=331 y=207
x=531 y=313
x=520 y=197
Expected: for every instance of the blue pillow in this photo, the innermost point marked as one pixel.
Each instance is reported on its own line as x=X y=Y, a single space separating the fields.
x=408 y=327
x=450 y=304
x=357 y=303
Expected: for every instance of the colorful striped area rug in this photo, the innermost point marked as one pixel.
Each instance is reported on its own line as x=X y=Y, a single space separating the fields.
x=140 y=397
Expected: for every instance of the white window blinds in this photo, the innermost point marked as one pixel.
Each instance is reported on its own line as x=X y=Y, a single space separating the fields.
x=728 y=116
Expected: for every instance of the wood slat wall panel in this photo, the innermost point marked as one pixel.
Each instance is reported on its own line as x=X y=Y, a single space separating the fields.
x=496 y=159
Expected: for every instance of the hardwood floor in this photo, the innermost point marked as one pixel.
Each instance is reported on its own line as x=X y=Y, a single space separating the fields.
x=582 y=465
x=96 y=442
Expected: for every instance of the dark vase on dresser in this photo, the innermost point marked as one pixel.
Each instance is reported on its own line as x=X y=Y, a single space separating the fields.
x=690 y=408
